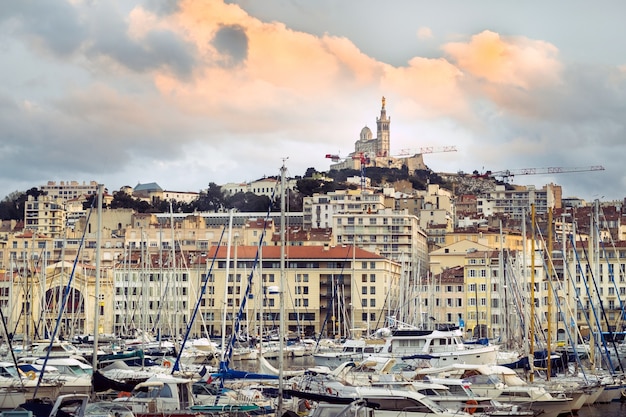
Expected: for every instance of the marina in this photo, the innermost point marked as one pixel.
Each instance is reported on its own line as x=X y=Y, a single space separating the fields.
x=267 y=360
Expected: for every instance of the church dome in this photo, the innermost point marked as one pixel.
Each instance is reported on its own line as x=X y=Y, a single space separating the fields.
x=366 y=134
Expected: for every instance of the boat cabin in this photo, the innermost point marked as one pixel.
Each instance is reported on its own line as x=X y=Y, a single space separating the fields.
x=160 y=393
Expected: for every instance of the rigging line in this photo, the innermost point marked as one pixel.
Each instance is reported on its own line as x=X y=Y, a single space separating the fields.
x=603 y=316
x=329 y=307
x=198 y=302
x=577 y=336
x=559 y=305
x=161 y=301
x=517 y=298
x=593 y=310
x=229 y=348
x=6 y=333
x=611 y=277
x=550 y=269
x=621 y=269
x=63 y=302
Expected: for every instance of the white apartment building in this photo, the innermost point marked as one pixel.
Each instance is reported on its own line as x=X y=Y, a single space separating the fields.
x=68 y=190
x=318 y=210
x=181 y=196
x=391 y=233
x=328 y=289
x=366 y=219
x=436 y=217
x=516 y=202
x=269 y=187
x=44 y=214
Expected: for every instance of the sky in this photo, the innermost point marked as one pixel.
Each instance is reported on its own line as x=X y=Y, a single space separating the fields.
x=185 y=93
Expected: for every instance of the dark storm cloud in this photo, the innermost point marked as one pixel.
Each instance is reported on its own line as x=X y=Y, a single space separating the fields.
x=577 y=123
x=163 y=7
x=54 y=24
x=93 y=133
x=62 y=29
x=157 y=50
x=232 y=41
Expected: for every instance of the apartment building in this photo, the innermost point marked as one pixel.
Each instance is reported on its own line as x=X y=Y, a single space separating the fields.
x=368 y=220
x=328 y=289
x=392 y=233
x=516 y=202
x=269 y=187
x=597 y=273
x=44 y=214
x=68 y=190
x=443 y=297
x=453 y=255
x=485 y=314
x=318 y=210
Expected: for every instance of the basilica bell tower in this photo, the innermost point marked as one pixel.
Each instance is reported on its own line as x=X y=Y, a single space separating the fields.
x=382 y=133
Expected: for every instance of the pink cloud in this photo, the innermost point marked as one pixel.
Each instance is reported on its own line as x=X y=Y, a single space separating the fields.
x=284 y=67
x=518 y=62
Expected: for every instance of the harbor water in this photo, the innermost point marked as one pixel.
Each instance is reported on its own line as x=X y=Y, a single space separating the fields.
x=614 y=409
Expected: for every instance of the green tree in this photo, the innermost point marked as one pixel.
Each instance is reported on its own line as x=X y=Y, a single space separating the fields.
x=211 y=200
x=123 y=200
x=310 y=172
x=9 y=209
x=248 y=202
x=309 y=186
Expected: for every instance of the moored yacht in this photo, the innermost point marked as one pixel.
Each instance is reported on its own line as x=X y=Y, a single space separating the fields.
x=351 y=350
x=441 y=346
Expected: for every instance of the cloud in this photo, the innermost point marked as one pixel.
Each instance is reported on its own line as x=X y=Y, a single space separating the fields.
x=152 y=88
x=517 y=62
x=51 y=25
x=232 y=42
x=424 y=33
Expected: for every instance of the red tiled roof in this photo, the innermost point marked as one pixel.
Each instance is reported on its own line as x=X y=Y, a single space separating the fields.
x=297 y=252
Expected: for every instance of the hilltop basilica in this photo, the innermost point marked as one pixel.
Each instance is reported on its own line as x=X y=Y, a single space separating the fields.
x=375 y=152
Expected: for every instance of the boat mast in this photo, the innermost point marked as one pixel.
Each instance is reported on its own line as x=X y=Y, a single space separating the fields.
x=174 y=275
x=549 y=265
x=281 y=340
x=531 y=356
x=230 y=233
x=96 y=317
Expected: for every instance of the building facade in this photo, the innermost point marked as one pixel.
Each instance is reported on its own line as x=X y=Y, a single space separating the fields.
x=328 y=290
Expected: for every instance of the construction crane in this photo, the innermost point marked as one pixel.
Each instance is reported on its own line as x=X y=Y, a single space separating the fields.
x=426 y=149
x=364 y=161
x=509 y=173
